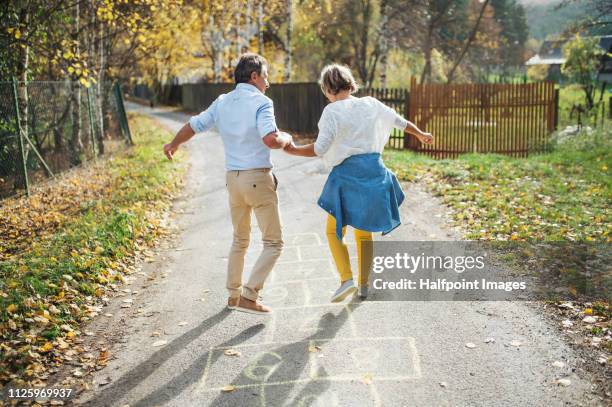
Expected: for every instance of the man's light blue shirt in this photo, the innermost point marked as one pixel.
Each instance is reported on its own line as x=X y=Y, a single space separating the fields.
x=242 y=117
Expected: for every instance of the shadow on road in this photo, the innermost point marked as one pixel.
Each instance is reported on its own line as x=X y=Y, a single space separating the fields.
x=114 y=392
x=193 y=373
x=283 y=366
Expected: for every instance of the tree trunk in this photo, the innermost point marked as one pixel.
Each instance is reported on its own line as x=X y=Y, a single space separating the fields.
x=24 y=100
x=260 y=40
x=426 y=74
x=384 y=42
x=100 y=99
x=469 y=41
x=288 y=46
x=76 y=143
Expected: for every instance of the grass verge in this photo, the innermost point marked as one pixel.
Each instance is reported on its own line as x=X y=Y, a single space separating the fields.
x=563 y=195
x=71 y=242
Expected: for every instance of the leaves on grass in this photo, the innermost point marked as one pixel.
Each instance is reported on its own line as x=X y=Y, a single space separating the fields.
x=77 y=238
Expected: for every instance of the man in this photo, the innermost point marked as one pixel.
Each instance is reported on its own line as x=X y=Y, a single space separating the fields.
x=245 y=120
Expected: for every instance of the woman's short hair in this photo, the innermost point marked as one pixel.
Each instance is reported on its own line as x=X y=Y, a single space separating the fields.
x=335 y=78
x=248 y=64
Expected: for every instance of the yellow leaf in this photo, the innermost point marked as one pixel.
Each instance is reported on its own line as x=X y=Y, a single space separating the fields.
x=588 y=311
x=232 y=352
x=17 y=34
x=46 y=347
x=70 y=334
x=314 y=348
x=11 y=308
x=228 y=388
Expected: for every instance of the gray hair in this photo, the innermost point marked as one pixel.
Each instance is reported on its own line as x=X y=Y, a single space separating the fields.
x=335 y=78
x=248 y=64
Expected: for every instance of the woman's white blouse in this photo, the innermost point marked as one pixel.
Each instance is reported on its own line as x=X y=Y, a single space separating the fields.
x=355 y=126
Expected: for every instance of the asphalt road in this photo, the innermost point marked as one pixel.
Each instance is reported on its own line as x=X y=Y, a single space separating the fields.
x=312 y=352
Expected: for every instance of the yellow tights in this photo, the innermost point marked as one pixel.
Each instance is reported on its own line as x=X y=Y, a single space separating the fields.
x=340 y=252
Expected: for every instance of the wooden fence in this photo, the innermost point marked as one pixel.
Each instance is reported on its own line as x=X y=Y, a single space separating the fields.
x=511 y=119
x=297 y=106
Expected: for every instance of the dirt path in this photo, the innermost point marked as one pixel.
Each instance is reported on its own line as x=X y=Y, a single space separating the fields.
x=362 y=353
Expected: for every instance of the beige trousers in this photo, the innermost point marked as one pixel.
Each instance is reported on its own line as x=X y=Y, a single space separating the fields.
x=253 y=191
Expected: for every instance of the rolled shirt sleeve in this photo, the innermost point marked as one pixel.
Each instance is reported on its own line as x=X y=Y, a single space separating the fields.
x=391 y=117
x=327 y=131
x=207 y=119
x=266 y=123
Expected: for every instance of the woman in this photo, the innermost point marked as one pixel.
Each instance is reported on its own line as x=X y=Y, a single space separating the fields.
x=360 y=191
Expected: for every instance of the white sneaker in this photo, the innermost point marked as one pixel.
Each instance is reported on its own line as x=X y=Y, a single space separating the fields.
x=347 y=288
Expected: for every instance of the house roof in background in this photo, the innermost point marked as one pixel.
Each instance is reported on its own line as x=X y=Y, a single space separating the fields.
x=551 y=51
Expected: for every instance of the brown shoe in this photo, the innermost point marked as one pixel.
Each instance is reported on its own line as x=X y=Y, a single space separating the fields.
x=253 y=307
x=232 y=302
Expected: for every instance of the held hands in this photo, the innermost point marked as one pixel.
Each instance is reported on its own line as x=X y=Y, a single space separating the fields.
x=285 y=139
x=290 y=148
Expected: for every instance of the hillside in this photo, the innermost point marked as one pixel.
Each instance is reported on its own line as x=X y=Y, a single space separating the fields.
x=545 y=19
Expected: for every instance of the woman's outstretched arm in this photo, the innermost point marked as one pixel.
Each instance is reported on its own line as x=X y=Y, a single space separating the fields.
x=423 y=137
x=306 y=150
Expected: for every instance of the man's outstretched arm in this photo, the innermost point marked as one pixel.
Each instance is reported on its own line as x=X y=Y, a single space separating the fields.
x=183 y=135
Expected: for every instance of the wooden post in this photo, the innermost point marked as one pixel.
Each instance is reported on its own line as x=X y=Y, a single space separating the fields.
x=556 y=109
x=406 y=115
x=20 y=137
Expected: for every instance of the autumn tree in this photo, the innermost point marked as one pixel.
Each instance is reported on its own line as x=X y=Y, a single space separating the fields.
x=583 y=57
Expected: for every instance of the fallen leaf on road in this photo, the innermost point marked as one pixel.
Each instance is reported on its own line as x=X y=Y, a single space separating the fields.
x=159 y=343
x=589 y=320
x=182 y=323
x=105 y=381
x=367 y=379
x=314 y=348
x=470 y=345
x=232 y=352
x=558 y=364
x=228 y=388
x=516 y=343
x=443 y=384
x=128 y=300
x=489 y=340
x=564 y=382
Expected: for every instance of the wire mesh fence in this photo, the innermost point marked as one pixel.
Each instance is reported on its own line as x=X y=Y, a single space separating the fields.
x=49 y=127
